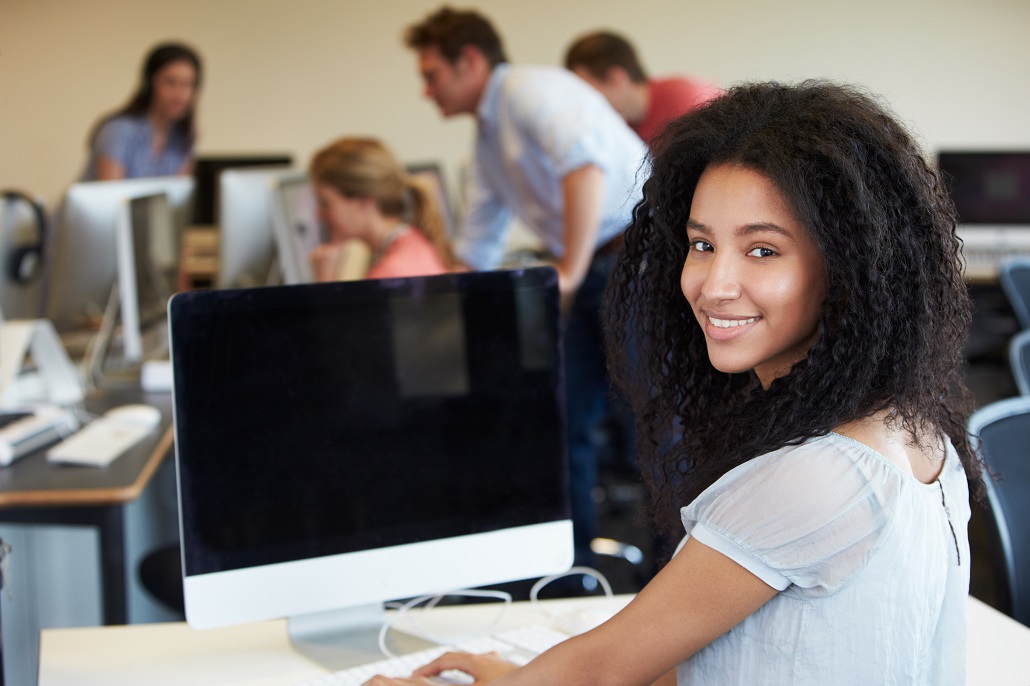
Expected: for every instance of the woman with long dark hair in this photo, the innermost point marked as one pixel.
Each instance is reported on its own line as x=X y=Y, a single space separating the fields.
x=788 y=316
x=154 y=134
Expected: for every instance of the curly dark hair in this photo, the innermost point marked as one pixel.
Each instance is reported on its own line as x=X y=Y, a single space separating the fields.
x=891 y=329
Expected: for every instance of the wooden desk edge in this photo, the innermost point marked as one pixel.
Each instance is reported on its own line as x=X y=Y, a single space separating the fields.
x=94 y=496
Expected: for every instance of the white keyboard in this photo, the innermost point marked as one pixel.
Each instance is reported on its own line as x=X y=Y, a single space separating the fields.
x=104 y=440
x=516 y=645
x=40 y=427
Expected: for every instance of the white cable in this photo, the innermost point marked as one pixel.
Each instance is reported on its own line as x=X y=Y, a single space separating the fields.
x=587 y=571
x=431 y=601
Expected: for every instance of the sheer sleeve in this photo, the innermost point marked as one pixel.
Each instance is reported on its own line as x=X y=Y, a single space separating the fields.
x=810 y=516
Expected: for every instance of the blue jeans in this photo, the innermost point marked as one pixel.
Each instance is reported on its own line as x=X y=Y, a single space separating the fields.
x=586 y=387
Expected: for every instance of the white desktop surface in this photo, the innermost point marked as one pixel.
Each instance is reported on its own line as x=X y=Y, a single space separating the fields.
x=260 y=654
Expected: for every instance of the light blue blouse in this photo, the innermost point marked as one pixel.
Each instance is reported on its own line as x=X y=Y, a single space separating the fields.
x=128 y=139
x=872 y=566
x=537 y=124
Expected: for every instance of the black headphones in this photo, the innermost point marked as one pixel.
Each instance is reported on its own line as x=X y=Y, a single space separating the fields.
x=25 y=262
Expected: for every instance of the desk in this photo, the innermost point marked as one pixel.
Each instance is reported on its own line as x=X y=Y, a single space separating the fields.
x=34 y=492
x=260 y=654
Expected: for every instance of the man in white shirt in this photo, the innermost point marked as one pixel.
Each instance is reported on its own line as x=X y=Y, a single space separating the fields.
x=551 y=151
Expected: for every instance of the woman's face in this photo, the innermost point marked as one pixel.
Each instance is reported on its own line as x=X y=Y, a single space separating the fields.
x=753 y=276
x=343 y=217
x=175 y=90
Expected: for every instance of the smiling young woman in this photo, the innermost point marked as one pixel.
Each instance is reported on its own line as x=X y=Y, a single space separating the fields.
x=753 y=276
x=800 y=406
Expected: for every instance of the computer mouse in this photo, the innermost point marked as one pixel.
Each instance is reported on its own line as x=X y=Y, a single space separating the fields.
x=135 y=415
x=580 y=621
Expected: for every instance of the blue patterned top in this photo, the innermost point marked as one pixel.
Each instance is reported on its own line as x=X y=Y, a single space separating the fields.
x=128 y=140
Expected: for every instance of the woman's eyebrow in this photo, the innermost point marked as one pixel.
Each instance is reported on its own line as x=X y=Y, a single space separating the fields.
x=697 y=226
x=763 y=227
x=745 y=230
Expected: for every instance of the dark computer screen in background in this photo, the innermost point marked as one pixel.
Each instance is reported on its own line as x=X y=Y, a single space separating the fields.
x=206 y=170
x=988 y=187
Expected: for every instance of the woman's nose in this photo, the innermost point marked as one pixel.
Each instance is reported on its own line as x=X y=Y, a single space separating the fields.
x=722 y=282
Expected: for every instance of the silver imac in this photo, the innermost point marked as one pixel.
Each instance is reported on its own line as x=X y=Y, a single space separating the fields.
x=247 y=248
x=365 y=441
x=84 y=267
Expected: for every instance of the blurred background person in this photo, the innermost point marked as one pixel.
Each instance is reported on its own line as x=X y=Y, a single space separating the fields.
x=154 y=134
x=550 y=151
x=365 y=194
x=609 y=63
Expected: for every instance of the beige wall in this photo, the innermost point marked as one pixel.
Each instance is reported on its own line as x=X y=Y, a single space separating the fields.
x=293 y=74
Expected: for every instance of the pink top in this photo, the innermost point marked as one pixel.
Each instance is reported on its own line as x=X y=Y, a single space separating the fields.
x=410 y=254
x=671 y=98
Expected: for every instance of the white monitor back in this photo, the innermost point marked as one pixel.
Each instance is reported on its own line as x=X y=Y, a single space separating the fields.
x=297 y=227
x=247 y=246
x=142 y=289
x=84 y=266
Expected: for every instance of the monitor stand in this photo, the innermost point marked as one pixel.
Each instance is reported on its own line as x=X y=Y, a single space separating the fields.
x=341 y=639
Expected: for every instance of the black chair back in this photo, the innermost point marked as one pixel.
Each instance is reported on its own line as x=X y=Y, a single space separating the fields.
x=1014 y=277
x=1019 y=360
x=1003 y=431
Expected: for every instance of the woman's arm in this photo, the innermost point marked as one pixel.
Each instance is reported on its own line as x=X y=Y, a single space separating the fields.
x=700 y=595
x=109 y=169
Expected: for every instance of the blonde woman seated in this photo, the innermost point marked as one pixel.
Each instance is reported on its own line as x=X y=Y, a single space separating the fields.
x=364 y=194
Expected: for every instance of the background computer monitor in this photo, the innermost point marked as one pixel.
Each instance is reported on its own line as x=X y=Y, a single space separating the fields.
x=988 y=187
x=143 y=289
x=246 y=242
x=367 y=440
x=207 y=169
x=83 y=268
x=297 y=228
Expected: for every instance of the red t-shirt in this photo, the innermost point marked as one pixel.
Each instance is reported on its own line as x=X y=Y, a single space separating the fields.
x=410 y=254
x=672 y=98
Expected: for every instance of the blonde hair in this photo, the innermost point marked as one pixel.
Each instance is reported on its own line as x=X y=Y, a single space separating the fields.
x=365 y=168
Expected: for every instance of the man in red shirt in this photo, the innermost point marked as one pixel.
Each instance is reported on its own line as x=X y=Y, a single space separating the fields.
x=609 y=63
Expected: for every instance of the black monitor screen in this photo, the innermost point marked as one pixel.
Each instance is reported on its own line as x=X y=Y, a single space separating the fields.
x=328 y=418
x=988 y=187
x=205 y=175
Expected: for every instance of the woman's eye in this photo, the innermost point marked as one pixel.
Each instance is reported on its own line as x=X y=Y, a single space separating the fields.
x=762 y=252
x=701 y=246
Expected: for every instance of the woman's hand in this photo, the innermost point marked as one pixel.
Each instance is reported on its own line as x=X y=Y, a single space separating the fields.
x=325 y=261
x=483 y=668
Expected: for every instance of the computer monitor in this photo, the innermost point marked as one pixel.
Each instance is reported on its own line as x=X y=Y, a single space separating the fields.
x=298 y=230
x=341 y=444
x=84 y=267
x=207 y=169
x=143 y=289
x=989 y=188
x=246 y=241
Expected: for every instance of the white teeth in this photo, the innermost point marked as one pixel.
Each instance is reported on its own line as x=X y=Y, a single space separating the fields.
x=730 y=323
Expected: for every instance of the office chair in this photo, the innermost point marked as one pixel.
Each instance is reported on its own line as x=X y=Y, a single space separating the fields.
x=1019 y=360
x=1002 y=430
x=160 y=573
x=1014 y=277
